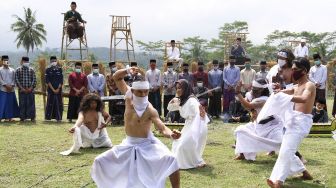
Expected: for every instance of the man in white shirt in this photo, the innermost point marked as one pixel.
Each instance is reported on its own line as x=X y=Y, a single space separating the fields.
x=318 y=75
x=247 y=75
x=301 y=50
x=174 y=54
x=153 y=76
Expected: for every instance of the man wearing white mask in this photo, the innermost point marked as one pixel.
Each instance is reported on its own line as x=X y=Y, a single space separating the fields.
x=168 y=81
x=9 y=108
x=54 y=81
x=25 y=79
x=96 y=81
x=141 y=160
x=301 y=50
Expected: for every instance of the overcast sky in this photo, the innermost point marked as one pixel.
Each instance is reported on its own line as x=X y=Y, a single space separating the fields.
x=153 y=20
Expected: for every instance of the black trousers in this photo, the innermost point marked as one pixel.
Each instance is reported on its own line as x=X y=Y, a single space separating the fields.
x=166 y=100
x=155 y=99
x=215 y=104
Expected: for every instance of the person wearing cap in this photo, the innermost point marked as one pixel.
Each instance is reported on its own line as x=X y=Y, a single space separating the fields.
x=54 y=82
x=301 y=50
x=215 y=77
x=186 y=74
x=25 y=79
x=231 y=77
x=247 y=75
x=238 y=51
x=153 y=76
x=78 y=84
x=9 y=108
x=89 y=129
x=168 y=81
x=74 y=26
x=96 y=81
x=263 y=70
x=174 y=54
x=141 y=160
x=200 y=73
x=112 y=88
x=318 y=74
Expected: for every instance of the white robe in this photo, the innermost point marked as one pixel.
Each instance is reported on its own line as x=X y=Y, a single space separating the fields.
x=253 y=137
x=189 y=148
x=84 y=138
x=297 y=126
x=136 y=162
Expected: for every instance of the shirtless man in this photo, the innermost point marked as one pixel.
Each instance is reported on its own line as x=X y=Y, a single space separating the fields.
x=141 y=160
x=297 y=126
x=89 y=129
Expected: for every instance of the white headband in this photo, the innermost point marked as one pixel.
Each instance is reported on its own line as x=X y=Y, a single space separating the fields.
x=256 y=84
x=140 y=85
x=282 y=54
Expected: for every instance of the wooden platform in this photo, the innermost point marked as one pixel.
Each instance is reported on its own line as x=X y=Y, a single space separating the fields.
x=323 y=128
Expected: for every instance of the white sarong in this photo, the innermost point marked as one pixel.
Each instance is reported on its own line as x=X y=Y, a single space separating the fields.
x=297 y=126
x=189 y=148
x=252 y=138
x=136 y=162
x=84 y=138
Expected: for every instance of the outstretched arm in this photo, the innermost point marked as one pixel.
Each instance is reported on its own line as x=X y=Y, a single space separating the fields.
x=164 y=129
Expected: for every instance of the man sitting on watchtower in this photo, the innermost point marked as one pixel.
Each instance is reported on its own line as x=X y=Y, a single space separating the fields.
x=173 y=54
x=75 y=27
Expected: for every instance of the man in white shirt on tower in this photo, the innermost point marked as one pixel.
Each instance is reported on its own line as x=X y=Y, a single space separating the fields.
x=173 y=54
x=301 y=50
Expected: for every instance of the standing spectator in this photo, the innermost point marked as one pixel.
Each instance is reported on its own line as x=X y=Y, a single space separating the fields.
x=168 y=82
x=318 y=75
x=301 y=50
x=96 y=81
x=200 y=73
x=263 y=72
x=114 y=110
x=78 y=84
x=215 y=78
x=200 y=89
x=54 y=82
x=153 y=76
x=185 y=74
x=247 y=75
x=238 y=51
x=25 y=79
x=231 y=77
x=9 y=108
x=135 y=76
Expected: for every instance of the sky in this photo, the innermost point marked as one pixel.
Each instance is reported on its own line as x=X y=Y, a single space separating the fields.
x=153 y=20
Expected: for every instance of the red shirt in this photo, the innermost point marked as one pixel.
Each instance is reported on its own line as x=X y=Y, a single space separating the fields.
x=203 y=75
x=77 y=81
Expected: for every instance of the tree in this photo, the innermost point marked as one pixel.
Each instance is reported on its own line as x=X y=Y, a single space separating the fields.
x=30 y=33
x=194 y=48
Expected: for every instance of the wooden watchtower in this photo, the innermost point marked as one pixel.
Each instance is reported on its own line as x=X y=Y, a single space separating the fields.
x=230 y=39
x=66 y=45
x=121 y=33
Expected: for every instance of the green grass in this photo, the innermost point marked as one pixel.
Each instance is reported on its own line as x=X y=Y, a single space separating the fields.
x=29 y=157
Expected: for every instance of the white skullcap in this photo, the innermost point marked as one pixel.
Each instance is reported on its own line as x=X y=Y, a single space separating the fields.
x=140 y=85
x=256 y=84
x=303 y=40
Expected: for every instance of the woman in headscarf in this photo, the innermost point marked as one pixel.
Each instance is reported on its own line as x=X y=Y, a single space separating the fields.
x=189 y=148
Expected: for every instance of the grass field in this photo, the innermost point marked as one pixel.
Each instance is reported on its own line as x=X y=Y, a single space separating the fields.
x=29 y=157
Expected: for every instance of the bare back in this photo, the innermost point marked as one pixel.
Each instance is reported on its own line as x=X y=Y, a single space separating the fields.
x=307 y=90
x=136 y=126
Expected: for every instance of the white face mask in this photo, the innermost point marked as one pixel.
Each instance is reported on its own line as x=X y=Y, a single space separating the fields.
x=54 y=63
x=199 y=84
x=281 y=62
x=215 y=67
x=95 y=71
x=140 y=104
x=25 y=64
x=170 y=69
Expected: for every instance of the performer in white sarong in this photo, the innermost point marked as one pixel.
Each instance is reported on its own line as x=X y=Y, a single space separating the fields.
x=189 y=148
x=257 y=137
x=297 y=122
x=89 y=130
x=141 y=160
